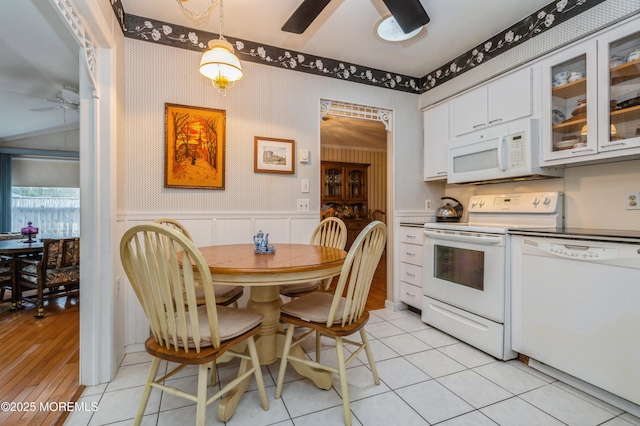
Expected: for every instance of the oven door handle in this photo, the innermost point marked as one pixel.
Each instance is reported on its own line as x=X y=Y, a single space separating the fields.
x=483 y=239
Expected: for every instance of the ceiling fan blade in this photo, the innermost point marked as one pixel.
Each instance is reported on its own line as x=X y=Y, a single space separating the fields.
x=46 y=108
x=304 y=15
x=409 y=14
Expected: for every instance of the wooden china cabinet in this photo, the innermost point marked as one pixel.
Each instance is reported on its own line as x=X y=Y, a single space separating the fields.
x=344 y=188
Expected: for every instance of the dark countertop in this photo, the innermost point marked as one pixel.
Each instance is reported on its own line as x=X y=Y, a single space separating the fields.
x=629 y=236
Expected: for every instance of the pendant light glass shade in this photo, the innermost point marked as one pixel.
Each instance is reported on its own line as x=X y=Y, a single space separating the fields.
x=220 y=65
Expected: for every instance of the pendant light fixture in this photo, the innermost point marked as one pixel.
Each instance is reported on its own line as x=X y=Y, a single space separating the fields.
x=219 y=63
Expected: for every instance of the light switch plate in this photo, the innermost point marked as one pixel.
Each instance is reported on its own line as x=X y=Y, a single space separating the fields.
x=304 y=185
x=303 y=155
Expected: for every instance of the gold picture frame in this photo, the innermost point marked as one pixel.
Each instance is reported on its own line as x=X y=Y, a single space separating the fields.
x=273 y=155
x=194 y=145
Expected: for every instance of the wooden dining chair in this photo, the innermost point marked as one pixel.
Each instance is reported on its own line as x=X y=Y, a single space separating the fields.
x=183 y=332
x=338 y=315
x=377 y=214
x=331 y=232
x=55 y=274
x=6 y=276
x=225 y=294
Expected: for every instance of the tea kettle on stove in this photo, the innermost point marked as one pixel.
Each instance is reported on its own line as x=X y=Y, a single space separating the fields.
x=449 y=213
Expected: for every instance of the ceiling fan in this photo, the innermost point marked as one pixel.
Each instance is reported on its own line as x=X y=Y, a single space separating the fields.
x=65 y=99
x=409 y=14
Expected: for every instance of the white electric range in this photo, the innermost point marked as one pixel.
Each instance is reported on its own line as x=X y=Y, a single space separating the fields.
x=466 y=283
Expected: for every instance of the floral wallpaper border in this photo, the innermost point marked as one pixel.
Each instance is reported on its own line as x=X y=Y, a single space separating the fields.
x=118 y=10
x=533 y=25
x=168 y=34
x=191 y=39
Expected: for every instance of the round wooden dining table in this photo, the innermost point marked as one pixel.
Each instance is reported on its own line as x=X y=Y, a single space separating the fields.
x=264 y=274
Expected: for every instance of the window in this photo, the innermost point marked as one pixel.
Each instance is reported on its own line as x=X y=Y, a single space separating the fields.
x=54 y=211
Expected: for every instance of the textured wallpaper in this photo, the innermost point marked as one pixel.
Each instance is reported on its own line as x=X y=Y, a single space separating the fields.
x=267 y=102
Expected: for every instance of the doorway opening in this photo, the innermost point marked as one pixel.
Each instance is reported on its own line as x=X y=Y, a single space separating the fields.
x=358 y=138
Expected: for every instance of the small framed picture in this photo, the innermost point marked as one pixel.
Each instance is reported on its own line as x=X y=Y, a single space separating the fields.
x=274 y=155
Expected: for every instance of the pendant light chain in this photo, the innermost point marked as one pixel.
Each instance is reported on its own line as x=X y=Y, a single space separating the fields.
x=202 y=15
x=221 y=22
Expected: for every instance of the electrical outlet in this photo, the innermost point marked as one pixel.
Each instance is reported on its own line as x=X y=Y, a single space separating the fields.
x=304 y=185
x=303 y=204
x=632 y=200
x=427 y=205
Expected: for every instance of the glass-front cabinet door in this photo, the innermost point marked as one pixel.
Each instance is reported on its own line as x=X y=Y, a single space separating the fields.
x=333 y=183
x=619 y=73
x=569 y=107
x=356 y=184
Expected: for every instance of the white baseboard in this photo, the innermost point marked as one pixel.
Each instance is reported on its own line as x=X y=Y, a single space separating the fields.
x=394 y=306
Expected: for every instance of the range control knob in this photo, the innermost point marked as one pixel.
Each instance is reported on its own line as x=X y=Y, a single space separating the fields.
x=474 y=203
x=481 y=203
x=547 y=201
x=536 y=201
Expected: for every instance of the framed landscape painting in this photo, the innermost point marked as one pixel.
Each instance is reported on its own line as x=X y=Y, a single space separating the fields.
x=194 y=143
x=273 y=155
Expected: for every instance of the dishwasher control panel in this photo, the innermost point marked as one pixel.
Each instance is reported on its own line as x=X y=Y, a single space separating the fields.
x=582 y=252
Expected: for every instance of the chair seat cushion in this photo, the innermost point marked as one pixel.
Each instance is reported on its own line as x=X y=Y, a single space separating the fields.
x=222 y=292
x=52 y=276
x=299 y=288
x=313 y=307
x=232 y=323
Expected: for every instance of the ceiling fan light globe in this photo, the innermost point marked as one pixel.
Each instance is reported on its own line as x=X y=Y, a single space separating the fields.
x=387 y=29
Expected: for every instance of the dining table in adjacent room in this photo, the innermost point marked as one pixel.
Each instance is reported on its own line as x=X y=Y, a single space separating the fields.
x=264 y=274
x=15 y=249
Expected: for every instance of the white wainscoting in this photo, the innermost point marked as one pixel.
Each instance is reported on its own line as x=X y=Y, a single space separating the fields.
x=206 y=230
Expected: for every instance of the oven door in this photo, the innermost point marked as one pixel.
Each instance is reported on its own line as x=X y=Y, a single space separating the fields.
x=466 y=270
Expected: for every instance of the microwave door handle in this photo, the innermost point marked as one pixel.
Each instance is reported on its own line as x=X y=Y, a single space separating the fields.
x=501 y=153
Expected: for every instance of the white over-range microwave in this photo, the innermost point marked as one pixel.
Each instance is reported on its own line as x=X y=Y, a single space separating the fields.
x=500 y=153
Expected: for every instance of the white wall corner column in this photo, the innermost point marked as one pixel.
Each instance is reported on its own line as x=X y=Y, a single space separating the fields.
x=97 y=187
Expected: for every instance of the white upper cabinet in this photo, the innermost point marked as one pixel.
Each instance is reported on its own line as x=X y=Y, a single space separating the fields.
x=505 y=99
x=436 y=139
x=619 y=90
x=569 y=100
x=594 y=114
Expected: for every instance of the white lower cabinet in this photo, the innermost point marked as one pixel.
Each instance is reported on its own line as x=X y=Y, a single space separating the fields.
x=411 y=265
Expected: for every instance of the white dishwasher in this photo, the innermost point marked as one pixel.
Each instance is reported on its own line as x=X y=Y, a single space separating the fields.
x=576 y=308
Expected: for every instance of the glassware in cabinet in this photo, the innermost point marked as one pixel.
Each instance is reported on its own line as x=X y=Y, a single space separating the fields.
x=333 y=188
x=569 y=82
x=621 y=90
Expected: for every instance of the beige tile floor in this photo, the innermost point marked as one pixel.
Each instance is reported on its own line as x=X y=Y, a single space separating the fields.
x=427 y=378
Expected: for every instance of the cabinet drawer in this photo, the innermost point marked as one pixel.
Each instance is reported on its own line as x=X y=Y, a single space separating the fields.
x=411 y=274
x=411 y=235
x=411 y=295
x=411 y=253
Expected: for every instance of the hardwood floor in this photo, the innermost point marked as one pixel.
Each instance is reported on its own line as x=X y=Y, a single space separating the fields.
x=40 y=361
x=378 y=291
